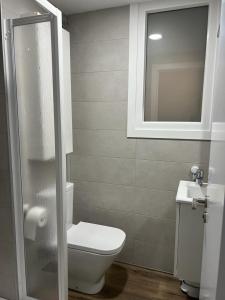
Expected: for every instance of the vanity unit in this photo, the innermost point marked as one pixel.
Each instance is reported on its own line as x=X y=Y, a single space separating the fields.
x=189 y=236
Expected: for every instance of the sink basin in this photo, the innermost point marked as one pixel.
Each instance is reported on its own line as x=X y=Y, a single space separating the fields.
x=187 y=190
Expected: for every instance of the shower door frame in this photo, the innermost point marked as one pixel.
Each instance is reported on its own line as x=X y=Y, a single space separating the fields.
x=54 y=16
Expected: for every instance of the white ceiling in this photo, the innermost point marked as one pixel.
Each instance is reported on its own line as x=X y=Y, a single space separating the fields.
x=69 y=7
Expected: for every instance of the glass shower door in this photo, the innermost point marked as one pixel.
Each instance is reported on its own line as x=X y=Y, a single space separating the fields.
x=35 y=94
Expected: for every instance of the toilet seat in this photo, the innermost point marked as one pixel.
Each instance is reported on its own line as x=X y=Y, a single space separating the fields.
x=95 y=238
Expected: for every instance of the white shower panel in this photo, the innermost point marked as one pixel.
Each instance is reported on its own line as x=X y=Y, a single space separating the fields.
x=37 y=109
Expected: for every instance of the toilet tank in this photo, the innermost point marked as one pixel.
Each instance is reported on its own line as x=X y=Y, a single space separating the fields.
x=69 y=203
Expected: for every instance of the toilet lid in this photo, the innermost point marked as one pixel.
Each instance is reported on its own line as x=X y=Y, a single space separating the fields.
x=95 y=238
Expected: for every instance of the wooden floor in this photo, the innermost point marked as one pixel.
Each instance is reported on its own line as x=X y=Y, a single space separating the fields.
x=124 y=282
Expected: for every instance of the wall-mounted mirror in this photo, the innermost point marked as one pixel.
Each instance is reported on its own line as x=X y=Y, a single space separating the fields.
x=171 y=68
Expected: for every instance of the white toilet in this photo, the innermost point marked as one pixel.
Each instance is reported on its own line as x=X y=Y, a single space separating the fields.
x=91 y=251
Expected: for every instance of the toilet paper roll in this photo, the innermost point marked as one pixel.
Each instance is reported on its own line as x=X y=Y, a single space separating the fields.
x=35 y=217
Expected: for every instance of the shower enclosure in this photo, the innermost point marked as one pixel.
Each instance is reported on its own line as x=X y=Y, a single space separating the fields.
x=32 y=47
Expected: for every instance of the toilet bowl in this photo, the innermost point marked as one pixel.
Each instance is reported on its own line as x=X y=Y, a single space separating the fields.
x=92 y=249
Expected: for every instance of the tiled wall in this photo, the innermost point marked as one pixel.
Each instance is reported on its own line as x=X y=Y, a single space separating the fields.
x=126 y=183
x=8 y=283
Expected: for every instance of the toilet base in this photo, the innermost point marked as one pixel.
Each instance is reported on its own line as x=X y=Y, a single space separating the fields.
x=87 y=287
x=190 y=289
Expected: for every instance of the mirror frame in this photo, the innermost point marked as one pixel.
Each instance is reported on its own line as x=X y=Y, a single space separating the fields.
x=136 y=126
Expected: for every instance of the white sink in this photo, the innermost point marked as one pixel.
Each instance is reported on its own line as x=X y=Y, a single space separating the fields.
x=187 y=190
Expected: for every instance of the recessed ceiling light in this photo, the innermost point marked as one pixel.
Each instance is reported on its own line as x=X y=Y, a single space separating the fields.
x=155 y=36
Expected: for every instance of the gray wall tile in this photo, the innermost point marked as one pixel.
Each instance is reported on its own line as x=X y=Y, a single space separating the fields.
x=104 y=143
x=101 y=169
x=127 y=254
x=100 y=86
x=88 y=195
x=126 y=183
x=161 y=175
x=99 y=56
x=156 y=231
x=154 y=256
x=107 y=196
x=173 y=150
x=99 y=115
x=107 y=24
x=155 y=203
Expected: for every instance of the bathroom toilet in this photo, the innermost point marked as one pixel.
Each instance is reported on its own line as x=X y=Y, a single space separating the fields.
x=92 y=249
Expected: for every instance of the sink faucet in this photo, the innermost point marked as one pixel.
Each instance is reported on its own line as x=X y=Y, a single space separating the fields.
x=197 y=175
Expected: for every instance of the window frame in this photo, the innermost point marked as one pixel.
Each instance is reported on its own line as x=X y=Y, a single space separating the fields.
x=136 y=126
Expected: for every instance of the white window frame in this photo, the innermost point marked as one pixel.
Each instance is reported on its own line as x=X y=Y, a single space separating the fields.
x=136 y=126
